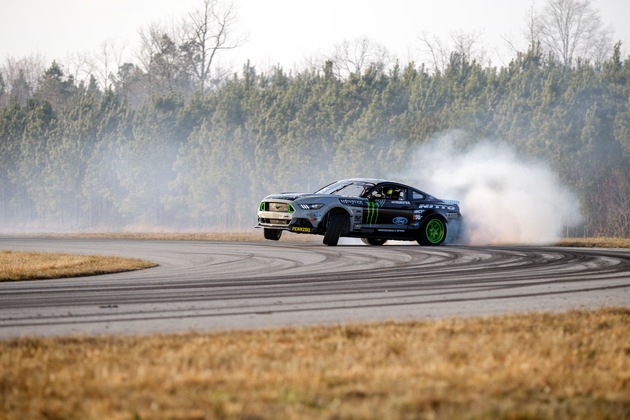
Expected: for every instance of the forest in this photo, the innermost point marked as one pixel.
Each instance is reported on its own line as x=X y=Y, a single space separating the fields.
x=158 y=147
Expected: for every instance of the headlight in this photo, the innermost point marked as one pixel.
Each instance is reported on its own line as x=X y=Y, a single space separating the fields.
x=314 y=206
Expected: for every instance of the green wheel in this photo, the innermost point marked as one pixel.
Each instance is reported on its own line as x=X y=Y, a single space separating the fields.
x=433 y=231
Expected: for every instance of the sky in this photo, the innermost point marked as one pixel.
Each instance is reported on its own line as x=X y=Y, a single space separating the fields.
x=284 y=32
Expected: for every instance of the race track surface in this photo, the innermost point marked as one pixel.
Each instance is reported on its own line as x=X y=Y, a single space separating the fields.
x=204 y=286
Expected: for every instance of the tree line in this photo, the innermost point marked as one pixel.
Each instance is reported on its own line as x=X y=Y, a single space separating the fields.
x=176 y=143
x=75 y=156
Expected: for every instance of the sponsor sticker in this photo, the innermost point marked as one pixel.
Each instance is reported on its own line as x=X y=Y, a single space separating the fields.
x=372 y=212
x=436 y=206
x=300 y=229
x=352 y=202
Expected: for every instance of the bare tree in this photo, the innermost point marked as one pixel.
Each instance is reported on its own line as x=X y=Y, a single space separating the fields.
x=99 y=66
x=208 y=31
x=357 y=56
x=161 y=58
x=21 y=76
x=466 y=44
x=570 y=29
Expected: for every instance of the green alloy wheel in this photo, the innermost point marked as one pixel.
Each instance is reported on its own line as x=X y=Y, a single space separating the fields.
x=433 y=232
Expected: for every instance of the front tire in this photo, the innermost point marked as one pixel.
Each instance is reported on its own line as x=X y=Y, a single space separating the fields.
x=273 y=234
x=433 y=232
x=333 y=231
x=373 y=241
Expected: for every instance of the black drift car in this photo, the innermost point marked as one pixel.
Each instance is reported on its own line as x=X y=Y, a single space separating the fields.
x=374 y=210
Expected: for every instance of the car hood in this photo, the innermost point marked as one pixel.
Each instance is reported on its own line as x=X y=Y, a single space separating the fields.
x=289 y=196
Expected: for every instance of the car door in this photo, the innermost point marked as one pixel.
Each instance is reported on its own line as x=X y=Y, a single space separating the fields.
x=388 y=210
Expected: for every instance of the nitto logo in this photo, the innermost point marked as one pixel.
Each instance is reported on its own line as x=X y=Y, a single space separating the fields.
x=436 y=206
x=400 y=221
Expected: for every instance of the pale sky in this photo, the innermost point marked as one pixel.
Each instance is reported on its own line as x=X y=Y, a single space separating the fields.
x=283 y=32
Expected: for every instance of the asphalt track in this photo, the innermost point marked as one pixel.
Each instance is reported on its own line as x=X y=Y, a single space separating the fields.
x=205 y=286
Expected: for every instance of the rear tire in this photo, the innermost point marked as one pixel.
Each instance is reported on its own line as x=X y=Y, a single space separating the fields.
x=273 y=234
x=333 y=231
x=373 y=241
x=433 y=231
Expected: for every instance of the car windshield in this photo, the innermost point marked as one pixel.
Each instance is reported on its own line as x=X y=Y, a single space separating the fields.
x=346 y=189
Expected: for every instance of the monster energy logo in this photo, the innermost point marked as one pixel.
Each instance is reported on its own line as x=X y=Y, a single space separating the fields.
x=372 y=212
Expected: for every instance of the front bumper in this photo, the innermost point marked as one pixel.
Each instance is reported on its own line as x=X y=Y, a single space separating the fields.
x=287 y=215
x=273 y=220
x=301 y=225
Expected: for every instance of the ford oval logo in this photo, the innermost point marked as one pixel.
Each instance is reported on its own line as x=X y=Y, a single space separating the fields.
x=400 y=221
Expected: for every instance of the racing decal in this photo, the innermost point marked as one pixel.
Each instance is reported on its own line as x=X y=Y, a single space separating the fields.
x=400 y=220
x=436 y=206
x=372 y=212
x=352 y=202
x=400 y=202
x=300 y=229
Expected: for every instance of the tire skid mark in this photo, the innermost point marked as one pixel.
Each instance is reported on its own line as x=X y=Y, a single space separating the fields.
x=217 y=280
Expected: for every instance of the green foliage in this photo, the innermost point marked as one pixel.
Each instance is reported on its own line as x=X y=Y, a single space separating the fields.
x=75 y=156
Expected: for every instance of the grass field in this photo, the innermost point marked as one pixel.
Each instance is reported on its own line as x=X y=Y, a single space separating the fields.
x=573 y=365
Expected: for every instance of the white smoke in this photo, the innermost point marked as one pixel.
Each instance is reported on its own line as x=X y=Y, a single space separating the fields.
x=504 y=198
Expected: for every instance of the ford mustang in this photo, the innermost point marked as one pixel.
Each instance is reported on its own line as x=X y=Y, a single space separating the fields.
x=374 y=210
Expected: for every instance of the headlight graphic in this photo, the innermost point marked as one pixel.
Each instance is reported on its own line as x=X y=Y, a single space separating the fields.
x=313 y=206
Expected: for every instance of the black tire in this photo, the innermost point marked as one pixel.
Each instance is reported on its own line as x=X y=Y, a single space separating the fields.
x=333 y=231
x=373 y=241
x=273 y=234
x=433 y=231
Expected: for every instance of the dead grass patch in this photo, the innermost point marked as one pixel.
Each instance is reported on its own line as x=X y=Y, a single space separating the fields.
x=43 y=265
x=595 y=242
x=545 y=366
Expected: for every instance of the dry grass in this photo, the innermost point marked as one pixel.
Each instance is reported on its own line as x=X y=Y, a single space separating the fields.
x=595 y=242
x=566 y=366
x=42 y=265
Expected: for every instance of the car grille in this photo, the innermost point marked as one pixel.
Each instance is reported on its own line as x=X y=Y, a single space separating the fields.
x=275 y=221
x=280 y=207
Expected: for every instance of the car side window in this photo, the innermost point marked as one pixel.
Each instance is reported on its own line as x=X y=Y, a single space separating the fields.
x=399 y=194
x=417 y=196
x=390 y=192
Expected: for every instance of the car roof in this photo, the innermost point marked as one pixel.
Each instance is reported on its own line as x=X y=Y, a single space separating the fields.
x=378 y=181
x=374 y=181
x=370 y=180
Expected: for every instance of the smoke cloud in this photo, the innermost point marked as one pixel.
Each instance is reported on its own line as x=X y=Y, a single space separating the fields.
x=505 y=198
